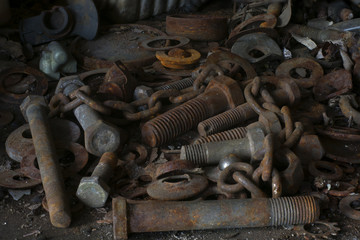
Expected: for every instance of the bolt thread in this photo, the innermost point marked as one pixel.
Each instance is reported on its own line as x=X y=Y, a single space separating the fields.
x=226 y=120
x=195 y=154
x=175 y=122
x=293 y=210
x=232 y=134
x=179 y=85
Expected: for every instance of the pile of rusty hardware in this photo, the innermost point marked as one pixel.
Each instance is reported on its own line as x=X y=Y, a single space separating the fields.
x=221 y=122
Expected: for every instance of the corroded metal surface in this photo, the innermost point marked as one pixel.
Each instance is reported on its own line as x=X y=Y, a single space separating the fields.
x=154 y=216
x=12 y=76
x=116 y=43
x=197 y=27
x=34 y=111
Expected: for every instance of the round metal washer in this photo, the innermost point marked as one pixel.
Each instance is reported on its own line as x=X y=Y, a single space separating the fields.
x=182 y=42
x=6 y=117
x=177 y=187
x=80 y=160
x=14 y=179
x=284 y=70
x=39 y=89
x=335 y=174
x=19 y=143
x=347 y=210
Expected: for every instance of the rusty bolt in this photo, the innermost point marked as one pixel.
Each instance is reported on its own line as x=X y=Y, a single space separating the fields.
x=221 y=94
x=232 y=134
x=94 y=191
x=155 y=216
x=100 y=137
x=34 y=110
x=213 y=152
x=289 y=93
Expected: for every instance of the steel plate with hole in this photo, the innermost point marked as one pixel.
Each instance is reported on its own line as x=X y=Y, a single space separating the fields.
x=19 y=143
x=348 y=208
x=14 y=75
x=177 y=187
x=14 y=179
x=116 y=42
x=29 y=169
x=179 y=42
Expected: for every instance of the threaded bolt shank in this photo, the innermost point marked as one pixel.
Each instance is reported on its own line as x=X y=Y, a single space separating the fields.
x=236 y=133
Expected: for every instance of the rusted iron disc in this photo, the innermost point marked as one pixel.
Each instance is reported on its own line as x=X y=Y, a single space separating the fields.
x=197 y=27
x=12 y=76
x=29 y=169
x=6 y=117
x=335 y=172
x=346 y=208
x=177 y=166
x=19 y=143
x=179 y=42
x=177 y=187
x=285 y=70
x=14 y=179
x=116 y=42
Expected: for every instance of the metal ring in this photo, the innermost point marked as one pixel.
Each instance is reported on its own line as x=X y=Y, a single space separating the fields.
x=227 y=172
x=336 y=171
x=177 y=187
x=346 y=208
x=14 y=179
x=182 y=42
x=39 y=89
x=284 y=70
x=80 y=160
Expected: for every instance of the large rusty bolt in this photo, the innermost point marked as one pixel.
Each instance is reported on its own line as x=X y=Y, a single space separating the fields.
x=158 y=216
x=100 y=137
x=289 y=93
x=221 y=94
x=212 y=152
x=94 y=191
x=34 y=110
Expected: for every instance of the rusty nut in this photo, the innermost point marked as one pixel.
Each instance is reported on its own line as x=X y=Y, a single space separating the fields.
x=291 y=171
x=230 y=89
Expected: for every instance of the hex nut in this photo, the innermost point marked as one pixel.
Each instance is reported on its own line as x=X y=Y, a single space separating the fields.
x=32 y=100
x=66 y=81
x=229 y=87
x=293 y=176
x=93 y=192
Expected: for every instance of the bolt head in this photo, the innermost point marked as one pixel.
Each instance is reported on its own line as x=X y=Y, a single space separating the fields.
x=93 y=192
x=30 y=100
x=229 y=87
x=66 y=81
x=103 y=137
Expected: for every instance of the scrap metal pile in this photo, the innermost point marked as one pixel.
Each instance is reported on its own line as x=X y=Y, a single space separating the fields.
x=218 y=123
